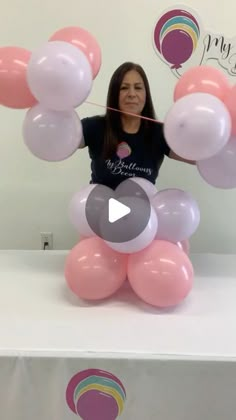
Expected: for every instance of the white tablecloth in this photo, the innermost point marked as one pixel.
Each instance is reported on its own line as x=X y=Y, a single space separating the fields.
x=47 y=335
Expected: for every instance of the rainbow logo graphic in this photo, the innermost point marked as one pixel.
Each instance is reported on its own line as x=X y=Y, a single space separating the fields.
x=176 y=36
x=96 y=394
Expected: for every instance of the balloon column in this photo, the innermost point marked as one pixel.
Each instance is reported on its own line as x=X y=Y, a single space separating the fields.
x=201 y=126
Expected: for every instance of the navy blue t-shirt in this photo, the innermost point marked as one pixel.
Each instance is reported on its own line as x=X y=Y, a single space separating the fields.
x=132 y=158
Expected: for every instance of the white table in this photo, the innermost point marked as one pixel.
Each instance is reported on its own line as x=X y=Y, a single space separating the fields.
x=177 y=364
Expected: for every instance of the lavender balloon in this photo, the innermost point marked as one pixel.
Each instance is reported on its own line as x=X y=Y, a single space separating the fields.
x=59 y=75
x=197 y=126
x=52 y=135
x=220 y=170
x=178 y=214
x=86 y=206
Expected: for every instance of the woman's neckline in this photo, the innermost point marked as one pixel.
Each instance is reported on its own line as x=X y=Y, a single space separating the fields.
x=132 y=133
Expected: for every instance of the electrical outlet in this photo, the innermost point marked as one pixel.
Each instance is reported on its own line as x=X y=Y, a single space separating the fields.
x=46 y=240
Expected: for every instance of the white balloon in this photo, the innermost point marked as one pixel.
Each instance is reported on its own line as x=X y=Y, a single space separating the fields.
x=52 y=135
x=59 y=75
x=149 y=187
x=141 y=241
x=197 y=126
x=220 y=170
x=77 y=213
x=178 y=214
x=126 y=188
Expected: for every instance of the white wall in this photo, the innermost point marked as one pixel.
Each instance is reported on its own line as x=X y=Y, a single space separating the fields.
x=35 y=194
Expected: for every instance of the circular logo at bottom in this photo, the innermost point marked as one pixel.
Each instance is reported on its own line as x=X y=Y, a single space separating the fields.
x=96 y=394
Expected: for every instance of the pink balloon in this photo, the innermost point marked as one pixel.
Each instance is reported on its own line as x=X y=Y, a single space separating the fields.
x=14 y=90
x=94 y=271
x=197 y=126
x=52 y=135
x=203 y=79
x=161 y=275
x=220 y=170
x=230 y=101
x=59 y=76
x=83 y=40
x=184 y=245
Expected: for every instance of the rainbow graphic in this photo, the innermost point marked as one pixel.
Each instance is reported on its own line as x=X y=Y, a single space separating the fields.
x=176 y=36
x=94 y=394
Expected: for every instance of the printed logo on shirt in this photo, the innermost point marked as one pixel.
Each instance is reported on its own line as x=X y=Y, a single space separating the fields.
x=123 y=150
x=119 y=167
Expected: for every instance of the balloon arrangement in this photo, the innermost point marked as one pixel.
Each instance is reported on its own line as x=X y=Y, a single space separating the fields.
x=201 y=126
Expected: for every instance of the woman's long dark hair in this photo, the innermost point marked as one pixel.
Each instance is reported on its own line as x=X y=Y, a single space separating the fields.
x=113 y=118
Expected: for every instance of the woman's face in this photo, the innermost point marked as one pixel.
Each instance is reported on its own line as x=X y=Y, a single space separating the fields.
x=132 y=95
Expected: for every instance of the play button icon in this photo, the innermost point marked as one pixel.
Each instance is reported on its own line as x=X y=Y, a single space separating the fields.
x=116 y=210
x=118 y=216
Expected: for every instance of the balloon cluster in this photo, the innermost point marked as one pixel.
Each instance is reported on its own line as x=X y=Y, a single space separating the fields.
x=200 y=126
x=51 y=81
x=155 y=261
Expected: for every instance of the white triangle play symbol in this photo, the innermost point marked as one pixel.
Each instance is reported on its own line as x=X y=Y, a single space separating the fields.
x=116 y=210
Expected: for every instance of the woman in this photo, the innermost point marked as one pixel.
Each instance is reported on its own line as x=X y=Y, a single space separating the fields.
x=122 y=144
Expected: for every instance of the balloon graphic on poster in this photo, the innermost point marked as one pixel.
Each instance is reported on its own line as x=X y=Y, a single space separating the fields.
x=176 y=36
x=96 y=394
